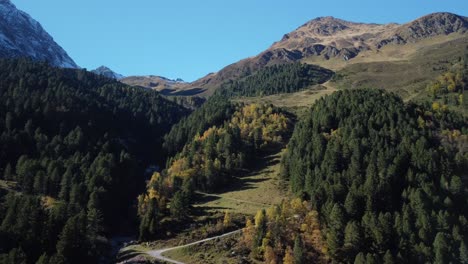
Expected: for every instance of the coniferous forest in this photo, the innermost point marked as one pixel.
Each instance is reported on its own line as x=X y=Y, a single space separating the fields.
x=276 y=79
x=388 y=179
x=369 y=178
x=74 y=147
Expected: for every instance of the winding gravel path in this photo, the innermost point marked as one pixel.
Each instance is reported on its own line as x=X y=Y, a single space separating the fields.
x=158 y=253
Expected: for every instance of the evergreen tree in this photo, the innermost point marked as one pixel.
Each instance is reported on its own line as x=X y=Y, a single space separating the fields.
x=360 y=258
x=388 y=258
x=298 y=251
x=463 y=255
x=179 y=205
x=441 y=248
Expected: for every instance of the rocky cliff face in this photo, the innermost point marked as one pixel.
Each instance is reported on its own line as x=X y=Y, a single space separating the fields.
x=22 y=36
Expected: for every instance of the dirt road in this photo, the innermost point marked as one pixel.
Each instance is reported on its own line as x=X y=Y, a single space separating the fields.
x=158 y=253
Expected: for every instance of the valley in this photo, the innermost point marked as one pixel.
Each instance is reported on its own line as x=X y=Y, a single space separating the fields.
x=342 y=142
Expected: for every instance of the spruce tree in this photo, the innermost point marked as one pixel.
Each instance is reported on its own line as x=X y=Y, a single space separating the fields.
x=298 y=250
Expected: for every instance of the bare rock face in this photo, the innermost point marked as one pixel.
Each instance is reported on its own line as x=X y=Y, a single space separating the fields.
x=431 y=25
x=22 y=36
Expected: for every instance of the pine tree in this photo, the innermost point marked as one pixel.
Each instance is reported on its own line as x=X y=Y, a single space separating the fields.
x=72 y=241
x=370 y=259
x=43 y=259
x=463 y=255
x=298 y=251
x=179 y=206
x=388 y=258
x=335 y=232
x=360 y=258
x=352 y=237
x=350 y=204
x=441 y=248
x=65 y=185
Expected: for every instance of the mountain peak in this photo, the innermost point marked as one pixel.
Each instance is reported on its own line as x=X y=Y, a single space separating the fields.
x=325 y=26
x=22 y=36
x=326 y=19
x=441 y=15
x=107 y=72
x=434 y=24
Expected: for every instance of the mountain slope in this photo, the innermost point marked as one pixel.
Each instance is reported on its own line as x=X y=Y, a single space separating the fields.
x=159 y=83
x=384 y=177
x=22 y=36
x=334 y=43
x=75 y=145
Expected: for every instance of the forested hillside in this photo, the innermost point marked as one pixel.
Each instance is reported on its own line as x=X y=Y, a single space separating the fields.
x=387 y=179
x=212 y=113
x=281 y=78
x=208 y=162
x=73 y=148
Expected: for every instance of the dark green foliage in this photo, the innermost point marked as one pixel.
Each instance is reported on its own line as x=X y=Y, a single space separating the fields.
x=77 y=145
x=298 y=251
x=387 y=188
x=388 y=258
x=15 y=255
x=463 y=253
x=213 y=112
x=179 y=205
x=281 y=78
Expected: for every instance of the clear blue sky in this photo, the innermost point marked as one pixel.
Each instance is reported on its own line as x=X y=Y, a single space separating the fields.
x=188 y=39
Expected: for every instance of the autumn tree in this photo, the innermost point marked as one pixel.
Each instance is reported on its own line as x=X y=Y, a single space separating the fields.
x=288 y=256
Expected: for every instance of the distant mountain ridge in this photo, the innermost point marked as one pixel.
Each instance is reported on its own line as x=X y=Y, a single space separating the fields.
x=105 y=71
x=159 y=83
x=329 y=38
x=22 y=36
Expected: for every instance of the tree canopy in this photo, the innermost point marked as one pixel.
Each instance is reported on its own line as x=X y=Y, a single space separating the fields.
x=76 y=146
x=384 y=177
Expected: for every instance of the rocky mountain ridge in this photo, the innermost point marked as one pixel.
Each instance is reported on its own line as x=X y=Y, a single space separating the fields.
x=22 y=36
x=107 y=72
x=332 y=38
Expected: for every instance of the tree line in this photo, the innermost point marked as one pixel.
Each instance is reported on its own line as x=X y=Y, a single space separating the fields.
x=280 y=78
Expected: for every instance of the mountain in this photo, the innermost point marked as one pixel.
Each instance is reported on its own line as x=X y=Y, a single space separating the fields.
x=159 y=83
x=332 y=37
x=22 y=36
x=334 y=43
x=105 y=71
x=437 y=24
